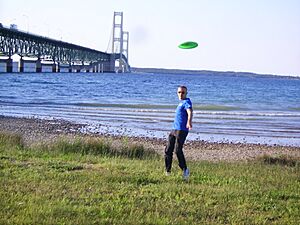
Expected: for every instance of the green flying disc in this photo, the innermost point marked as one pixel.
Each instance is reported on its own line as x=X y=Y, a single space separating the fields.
x=188 y=45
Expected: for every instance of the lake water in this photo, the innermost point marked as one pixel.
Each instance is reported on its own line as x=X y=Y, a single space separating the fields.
x=227 y=107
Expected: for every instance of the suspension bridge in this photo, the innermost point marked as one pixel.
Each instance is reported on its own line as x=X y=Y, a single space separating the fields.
x=43 y=54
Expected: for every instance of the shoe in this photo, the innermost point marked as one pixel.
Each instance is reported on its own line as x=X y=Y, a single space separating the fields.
x=168 y=173
x=186 y=174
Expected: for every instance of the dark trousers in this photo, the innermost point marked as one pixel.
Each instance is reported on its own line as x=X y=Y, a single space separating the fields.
x=175 y=141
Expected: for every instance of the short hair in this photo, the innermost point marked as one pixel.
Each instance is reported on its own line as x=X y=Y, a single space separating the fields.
x=182 y=86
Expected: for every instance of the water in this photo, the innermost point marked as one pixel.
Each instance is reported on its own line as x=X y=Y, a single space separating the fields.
x=237 y=108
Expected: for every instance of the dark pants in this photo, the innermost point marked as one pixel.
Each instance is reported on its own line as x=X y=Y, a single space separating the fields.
x=176 y=141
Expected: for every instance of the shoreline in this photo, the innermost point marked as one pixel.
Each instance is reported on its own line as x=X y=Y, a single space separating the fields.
x=34 y=130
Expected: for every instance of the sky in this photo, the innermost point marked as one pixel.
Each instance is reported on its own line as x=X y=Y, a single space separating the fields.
x=260 y=36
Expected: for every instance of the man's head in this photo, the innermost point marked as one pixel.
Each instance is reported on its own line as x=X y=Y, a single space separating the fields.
x=182 y=92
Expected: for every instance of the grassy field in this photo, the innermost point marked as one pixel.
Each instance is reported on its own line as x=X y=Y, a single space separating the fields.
x=88 y=181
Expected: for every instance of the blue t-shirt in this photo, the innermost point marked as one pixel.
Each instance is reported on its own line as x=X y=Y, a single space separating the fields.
x=181 y=115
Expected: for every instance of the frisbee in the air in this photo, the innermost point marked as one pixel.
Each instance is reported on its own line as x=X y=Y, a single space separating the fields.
x=188 y=45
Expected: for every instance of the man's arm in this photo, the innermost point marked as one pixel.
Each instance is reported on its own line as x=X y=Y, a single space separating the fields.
x=190 y=117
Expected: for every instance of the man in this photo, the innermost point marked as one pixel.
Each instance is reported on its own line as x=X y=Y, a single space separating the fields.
x=181 y=126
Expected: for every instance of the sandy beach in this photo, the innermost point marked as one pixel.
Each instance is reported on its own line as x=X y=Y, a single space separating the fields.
x=39 y=130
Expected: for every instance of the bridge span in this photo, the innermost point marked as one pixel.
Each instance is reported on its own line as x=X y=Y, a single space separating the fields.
x=43 y=54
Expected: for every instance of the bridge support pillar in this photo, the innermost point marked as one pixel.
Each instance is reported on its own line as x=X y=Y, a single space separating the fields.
x=58 y=67
x=9 y=65
x=21 y=65
x=54 y=67
x=70 y=67
x=38 y=66
x=112 y=62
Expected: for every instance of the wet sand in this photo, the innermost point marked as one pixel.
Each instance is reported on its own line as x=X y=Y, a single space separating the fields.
x=39 y=130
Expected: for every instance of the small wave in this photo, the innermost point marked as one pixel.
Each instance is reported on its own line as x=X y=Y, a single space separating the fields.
x=153 y=106
x=216 y=107
x=250 y=114
x=136 y=106
x=41 y=82
x=7 y=97
x=34 y=103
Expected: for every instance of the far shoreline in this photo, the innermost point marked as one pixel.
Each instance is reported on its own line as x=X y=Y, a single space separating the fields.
x=210 y=72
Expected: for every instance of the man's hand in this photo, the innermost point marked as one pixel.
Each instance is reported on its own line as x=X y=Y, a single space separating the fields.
x=189 y=126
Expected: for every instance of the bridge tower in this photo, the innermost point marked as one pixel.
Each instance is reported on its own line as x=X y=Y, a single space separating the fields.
x=125 y=43
x=117 y=43
x=120 y=43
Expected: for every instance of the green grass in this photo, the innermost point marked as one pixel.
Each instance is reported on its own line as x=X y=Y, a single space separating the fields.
x=88 y=181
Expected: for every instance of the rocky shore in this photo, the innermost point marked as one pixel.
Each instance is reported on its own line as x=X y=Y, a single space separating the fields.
x=39 y=130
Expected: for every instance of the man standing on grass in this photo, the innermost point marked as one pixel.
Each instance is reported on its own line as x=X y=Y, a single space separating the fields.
x=181 y=126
